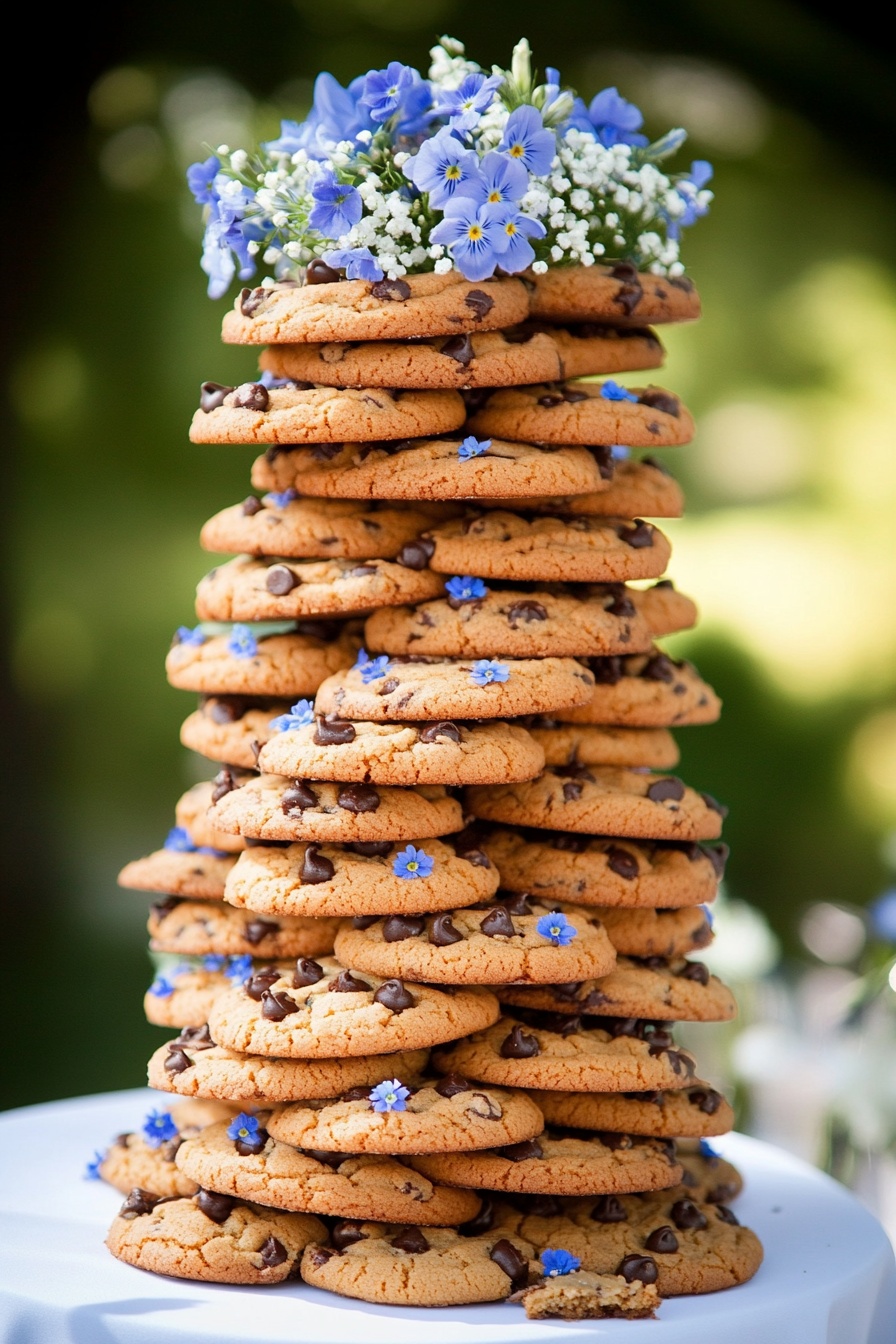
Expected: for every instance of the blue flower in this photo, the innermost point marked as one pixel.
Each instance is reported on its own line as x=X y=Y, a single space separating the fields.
x=238 y=968
x=336 y=114
x=710 y=917
x=161 y=988
x=611 y=391
x=559 y=1262
x=359 y=263
x=243 y=1127
x=227 y=236
x=291 y=139
x=371 y=669
x=444 y=169
x=201 y=180
x=184 y=635
x=882 y=915
x=688 y=188
x=473 y=447
x=280 y=498
x=242 y=643
x=213 y=961
x=557 y=928
x=464 y=105
x=299 y=716
x=486 y=670
x=518 y=253
x=619 y=452
x=504 y=180
x=338 y=206
x=158 y=1128
x=473 y=235
x=525 y=138
x=178 y=841
x=92 y=1169
x=412 y=863
x=707 y=1150
x=385 y=90
x=466 y=588
x=268 y=379
x=389 y=1096
x=615 y=121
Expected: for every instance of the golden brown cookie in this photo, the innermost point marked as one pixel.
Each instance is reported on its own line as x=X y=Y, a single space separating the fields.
x=647 y=690
x=692 y=1111
x=179 y=872
x=659 y=988
x=635 y=488
x=580 y=1295
x=200 y=928
x=182 y=996
x=283 y=524
x=131 y=1161
x=191 y=815
x=617 y=293
x=655 y=933
x=585 y=412
x=600 y=744
x=231 y=729
x=286 y=665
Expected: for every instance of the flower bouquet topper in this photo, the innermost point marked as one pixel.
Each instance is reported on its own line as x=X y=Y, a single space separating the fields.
x=467 y=171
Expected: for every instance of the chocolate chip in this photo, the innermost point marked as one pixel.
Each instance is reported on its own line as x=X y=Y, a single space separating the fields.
x=550 y=399
x=410 y=1239
x=482 y=1222
x=573 y=394
x=316 y=867
x=686 y=1216
x=326 y=631
x=660 y=401
x=281 y=580
x=518 y=1044
x=177 y=1060
x=257 y=929
x=307 y=973
x=161 y=909
x=451 y=1085
x=433 y=731
x=214 y=1206
x=399 y=927
x=275 y=1005
x=395 y=290
x=666 y=790
x=726 y=1216
x=483 y=1107
x=608 y=1209
x=706 y=1099
x=356 y=1094
x=637 y=535
x=714 y=805
x=620 y=605
x=347 y=983
x=622 y=862
x=442 y=932
x=273 y=1253
x=334 y=1160
x=416 y=554
x=297 y=798
x=630 y=292
x=138 y=1202
x=507 y=1257
x=718 y=857
x=251 y=397
x=466 y=846
x=346 y=1233
x=258 y=984
x=516 y=903
x=358 y=798
x=662 y=1240
x=370 y=849
x=251 y=506
x=607 y=671
x=480 y=303
x=252 y=299
x=497 y=923
x=364 y=921
x=393 y=995
x=331 y=732
x=318 y=272
x=526 y=1151
x=658 y=668
x=319 y=1255
x=388 y=686
x=571 y=791
x=211 y=396
x=639 y=1267
x=697 y=971
x=459 y=348
x=525 y=611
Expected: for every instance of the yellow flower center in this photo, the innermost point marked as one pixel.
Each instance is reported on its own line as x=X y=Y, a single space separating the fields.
x=452 y=172
x=494 y=196
x=516 y=151
x=510 y=228
x=474 y=233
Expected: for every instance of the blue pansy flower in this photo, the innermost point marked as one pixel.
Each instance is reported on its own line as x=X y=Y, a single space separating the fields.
x=243 y=1127
x=473 y=447
x=371 y=669
x=487 y=670
x=444 y=168
x=385 y=90
x=559 y=1262
x=336 y=114
x=473 y=235
x=359 y=263
x=242 y=643
x=225 y=244
x=882 y=916
x=612 y=391
x=238 y=968
x=557 y=928
x=280 y=498
x=213 y=961
x=337 y=206
x=464 y=105
x=158 y=1128
x=299 y=716
x=615 y=121
x=707 y=1150
x=412 y=863
x=525 y=138
x=178 y=841
x=161 y=988
x=92 y=1169
x=504 y=180
x=201 y=180
x=619 y=452
x=184 y=635
x=293 y=137
x=464 y=588
x=518 y=253
x=389 y=1096
x=687 y=188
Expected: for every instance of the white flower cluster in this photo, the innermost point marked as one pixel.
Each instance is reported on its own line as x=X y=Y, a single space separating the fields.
x=395 y=228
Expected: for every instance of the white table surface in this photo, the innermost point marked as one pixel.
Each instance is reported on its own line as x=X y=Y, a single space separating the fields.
x=829 y=1275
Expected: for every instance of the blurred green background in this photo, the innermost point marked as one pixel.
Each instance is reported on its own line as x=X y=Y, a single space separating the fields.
x=788 y=543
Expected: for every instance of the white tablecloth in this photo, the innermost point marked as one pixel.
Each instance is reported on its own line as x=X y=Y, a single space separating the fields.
x=828 y=1278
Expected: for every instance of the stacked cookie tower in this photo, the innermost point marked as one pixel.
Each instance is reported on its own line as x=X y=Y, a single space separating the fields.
x=441 y=822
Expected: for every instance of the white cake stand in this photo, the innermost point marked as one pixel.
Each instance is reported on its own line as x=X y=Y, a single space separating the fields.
x=829 y=1276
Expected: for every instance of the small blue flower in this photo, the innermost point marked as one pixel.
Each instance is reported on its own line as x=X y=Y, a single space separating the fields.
x=465 y=588
x=559 y=1262
x=178 y=841
x=473 y=235
x=412 y=863
x=615 y=121
x=518 y=253
x=359 y=263
x=290 y=140
x=92 y=1169
x=525 y=138
x=504 y=180
x=882 y=916
x=213 y=961
x=280 y=498
x=337 y=206
x=371 y=669
x=619 y=452
x=201 y=180
x=688 y=189
x=161 y=988
x=242 y=643
x=386 y=90
x=158 y=1128
x=184 y=635
x=486 y=670
x=707 y=1150
x=444 y=168
x=612 y=391
x=238 y=968
x=299 y=716
x=267 y=379
x=464 y=105
x=389 y=1096
x=473 y=447
x=243 y=1127
x=557 y=928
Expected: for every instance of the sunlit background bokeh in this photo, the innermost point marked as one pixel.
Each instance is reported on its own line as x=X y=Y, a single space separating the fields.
x=787 y=545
